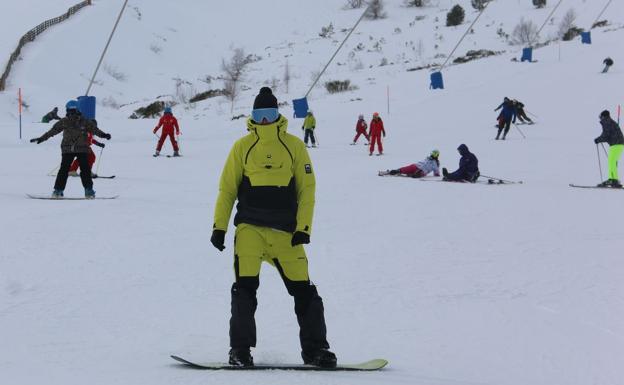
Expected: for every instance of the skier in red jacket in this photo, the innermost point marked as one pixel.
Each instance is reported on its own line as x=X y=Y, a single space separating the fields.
x=375 y=133
x=360 y=129
x=168 y=122
x=73 y=169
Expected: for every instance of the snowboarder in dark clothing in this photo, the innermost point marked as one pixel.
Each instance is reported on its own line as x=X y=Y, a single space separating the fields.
x=520 y=113
x=608 y=62
x=505 y=117
x=75 y=144
x=468 y=170
x=611 y=134
x=52 y=115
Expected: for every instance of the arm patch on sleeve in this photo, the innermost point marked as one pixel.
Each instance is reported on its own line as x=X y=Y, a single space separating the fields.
x=308 y=168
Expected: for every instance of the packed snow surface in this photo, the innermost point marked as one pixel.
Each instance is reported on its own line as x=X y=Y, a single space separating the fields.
x=454 y=284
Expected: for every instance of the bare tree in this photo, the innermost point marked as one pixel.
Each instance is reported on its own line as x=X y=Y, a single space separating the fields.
x=566 y=23
x=524 y=33
x=287 y=75
x=375 y=10
x=233 y=73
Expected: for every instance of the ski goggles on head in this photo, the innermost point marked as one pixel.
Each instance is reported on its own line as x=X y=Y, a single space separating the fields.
x=259 y=115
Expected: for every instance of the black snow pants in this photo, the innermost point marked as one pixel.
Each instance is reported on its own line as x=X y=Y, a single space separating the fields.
x=85 y=170
x=309 y=134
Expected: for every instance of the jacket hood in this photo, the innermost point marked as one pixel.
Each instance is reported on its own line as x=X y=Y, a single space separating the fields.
x=463 y=149
x=266 y=132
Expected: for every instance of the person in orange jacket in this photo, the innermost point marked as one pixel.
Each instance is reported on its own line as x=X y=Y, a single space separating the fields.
x=73 y=169
x=168 y=122
x=375 y=133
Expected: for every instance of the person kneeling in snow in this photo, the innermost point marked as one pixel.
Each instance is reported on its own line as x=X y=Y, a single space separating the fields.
x=431 y=164
x=468 y=170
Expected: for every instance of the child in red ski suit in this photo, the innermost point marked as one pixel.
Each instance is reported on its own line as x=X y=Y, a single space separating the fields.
x=168 y=122
x=375 y=133
x=360 y=129
x=73 y=169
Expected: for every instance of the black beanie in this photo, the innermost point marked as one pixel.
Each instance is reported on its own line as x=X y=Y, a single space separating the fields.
x=605 y=114
x=265 y=99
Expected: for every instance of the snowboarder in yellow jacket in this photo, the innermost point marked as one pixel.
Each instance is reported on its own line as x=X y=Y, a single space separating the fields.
x=270 y=174
x=309 y=124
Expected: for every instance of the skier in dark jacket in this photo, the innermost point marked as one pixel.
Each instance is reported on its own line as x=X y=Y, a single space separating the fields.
x=52 y=115
x=468 y=170
x=611 y=134
x=75 y=144
x=520 y=113
x=505 y=117
x=608 y=62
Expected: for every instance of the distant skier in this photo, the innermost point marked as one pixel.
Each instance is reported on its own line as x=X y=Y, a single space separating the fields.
x=76 y=130
x=52 y=115
x=360 y=129
x=608 y=62
x=168 y=122
x=505 y=117
x=611 y=134
x=309 y=124
x=376 y=132
x=468 y=170
x=73 y=169
x=431 y=164
x=270 y=173
x=520 y=113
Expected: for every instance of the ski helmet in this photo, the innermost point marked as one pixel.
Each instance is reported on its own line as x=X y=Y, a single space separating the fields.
x=360 y=116
x=167 y=110
x=375 y=114
x=71 y=105
x=435 y=154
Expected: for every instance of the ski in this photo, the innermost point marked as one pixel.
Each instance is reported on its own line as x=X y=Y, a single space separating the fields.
x=371 y=365
x=172 y=156
x=49 y=197
x=488 y=181
x=599 y=187
x=103 y=177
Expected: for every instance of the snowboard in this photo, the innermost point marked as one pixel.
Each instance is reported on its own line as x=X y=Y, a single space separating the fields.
x=371 y=365
x=49 y=197
x=599 y=187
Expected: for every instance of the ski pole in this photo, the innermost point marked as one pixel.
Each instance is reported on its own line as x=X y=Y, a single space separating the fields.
x=518 y=128
x=605 y=150
x=532 y=114
x=504 y=180
x=97 y=170
x=599 y=164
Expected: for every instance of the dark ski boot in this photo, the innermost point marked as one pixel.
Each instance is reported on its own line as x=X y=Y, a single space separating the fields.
x=57 y=194
x=89 y=193
x=240 y=357
x=176 y=153
x=321 y=357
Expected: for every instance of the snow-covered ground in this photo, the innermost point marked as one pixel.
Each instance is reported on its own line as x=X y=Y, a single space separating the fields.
x=452 y=283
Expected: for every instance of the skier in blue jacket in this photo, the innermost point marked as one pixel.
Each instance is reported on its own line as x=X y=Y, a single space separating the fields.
x=505 y=117
x=468 y=170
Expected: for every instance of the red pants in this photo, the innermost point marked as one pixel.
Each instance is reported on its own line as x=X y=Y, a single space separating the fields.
x=74 y=165
x=358 y=135
x=162 y=140
x=411 y=170
x=376 y=138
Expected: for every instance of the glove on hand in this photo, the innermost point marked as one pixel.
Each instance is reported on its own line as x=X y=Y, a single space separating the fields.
x=300 y=238
x=108 y=136
x=155 y=129
x=595 y=141
x=99 y=144
x=218 y=239
x=36 y=140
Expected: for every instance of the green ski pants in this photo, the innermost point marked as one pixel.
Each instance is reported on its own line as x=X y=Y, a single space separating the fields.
x=615 y=152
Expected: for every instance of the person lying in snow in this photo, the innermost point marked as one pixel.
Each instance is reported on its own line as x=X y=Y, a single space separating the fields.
x=431 y=164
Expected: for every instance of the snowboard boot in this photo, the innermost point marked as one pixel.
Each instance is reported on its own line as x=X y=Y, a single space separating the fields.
x=89 y=193
x=176 y=153
x=157 y=153
x=240 y=357
x=320 y=357
x=56 y=194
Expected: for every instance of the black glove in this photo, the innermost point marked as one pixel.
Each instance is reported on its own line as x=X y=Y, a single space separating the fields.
x=107 y=136
x=36 y=140
x=300 y=238
x=99 y=144
x=595 y=141
x=218 y=239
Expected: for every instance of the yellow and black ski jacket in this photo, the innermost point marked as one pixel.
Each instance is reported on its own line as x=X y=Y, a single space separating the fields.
x=270 y=173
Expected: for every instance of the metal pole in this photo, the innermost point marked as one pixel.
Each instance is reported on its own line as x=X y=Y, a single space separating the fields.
x=599 y=164
x=20 y=112
x=335 y=53
x=388 y=96
x=97 y=68
x=601 y=12
x=518 y=128
x=546 y=21
x=462 y=38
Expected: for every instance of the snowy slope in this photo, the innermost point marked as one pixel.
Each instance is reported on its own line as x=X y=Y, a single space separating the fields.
x=454 y=284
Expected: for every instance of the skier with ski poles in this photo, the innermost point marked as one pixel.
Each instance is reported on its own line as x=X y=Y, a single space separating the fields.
x=376 y=132
x=309 y=124
x=270 y=173
x=507 y=114
x=468 y=170
x=360 y=129
x=76 y=130
x=168 y=122
x=431 y=164
x=73 y=169
x=611 y=134
x=520 y=113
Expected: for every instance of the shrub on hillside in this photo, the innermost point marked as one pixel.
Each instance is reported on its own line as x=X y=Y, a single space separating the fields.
x=455 y=16
x=524 y=33
x=479 y=4
x=335 y=86
x=206 y=95
x=539 y=3
x=375 y=10
x=150 y=111
x=417 y=3
x=571 y=33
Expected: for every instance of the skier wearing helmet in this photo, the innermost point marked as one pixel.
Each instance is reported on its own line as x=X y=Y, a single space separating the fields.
x=168 y=122
x=431 y=164
x=375 y=134
x=360 y=129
